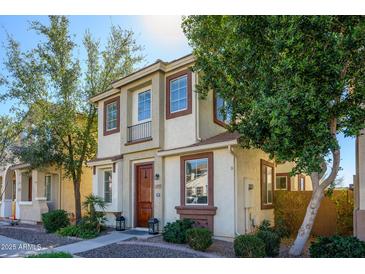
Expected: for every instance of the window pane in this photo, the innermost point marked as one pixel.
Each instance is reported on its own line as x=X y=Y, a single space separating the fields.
x=178 y=94
x=196 y=181
x=264 y=185
x=144 y=105
x=48 y=191
x=281 y=182
x=108 y=186
x=269 y=185
x=223 y=111
x=175 y=106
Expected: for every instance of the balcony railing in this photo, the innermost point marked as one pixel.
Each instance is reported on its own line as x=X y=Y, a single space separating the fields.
x=139 y=132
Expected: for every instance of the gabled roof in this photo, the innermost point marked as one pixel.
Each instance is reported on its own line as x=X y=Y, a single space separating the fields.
x=158 y=65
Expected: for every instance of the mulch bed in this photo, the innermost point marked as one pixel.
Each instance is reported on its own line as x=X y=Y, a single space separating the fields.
x=34 y=234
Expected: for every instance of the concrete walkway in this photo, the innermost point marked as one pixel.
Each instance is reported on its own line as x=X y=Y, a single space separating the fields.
x=82 y=246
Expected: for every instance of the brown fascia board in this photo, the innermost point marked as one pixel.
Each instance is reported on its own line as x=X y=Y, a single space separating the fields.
x=111 y=158
x=116 y=83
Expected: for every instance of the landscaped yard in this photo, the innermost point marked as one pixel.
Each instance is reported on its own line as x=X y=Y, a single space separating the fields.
x=35 y=234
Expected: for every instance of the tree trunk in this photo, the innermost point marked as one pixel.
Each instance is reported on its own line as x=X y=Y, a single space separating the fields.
x=306 y=228
x=77 y=197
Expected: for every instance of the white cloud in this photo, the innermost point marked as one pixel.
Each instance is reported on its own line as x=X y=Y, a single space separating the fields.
x=164 y=29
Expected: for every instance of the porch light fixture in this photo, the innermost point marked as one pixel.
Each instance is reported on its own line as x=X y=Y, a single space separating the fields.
x=157 y=176
x=120 y=223
x=153 y=225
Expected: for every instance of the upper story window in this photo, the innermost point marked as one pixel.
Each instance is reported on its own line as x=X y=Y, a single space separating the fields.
x=222 y=111
x=111 y=115
x=267 y=185
x=144 y=106
x=282 y=181
x=178 y=94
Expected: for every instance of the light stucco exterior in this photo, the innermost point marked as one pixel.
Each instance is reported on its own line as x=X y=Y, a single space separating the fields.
x=236 y=172
x=25 y=196
x=359 y=185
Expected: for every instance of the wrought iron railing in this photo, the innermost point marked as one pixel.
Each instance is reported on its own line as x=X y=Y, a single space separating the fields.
x=139 y=132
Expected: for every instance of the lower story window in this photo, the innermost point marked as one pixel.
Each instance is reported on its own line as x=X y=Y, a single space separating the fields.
x=108 y=186
x=301 y=182
x=282 y=182
x=196 y=180
x=267 y=184
x=48 y=187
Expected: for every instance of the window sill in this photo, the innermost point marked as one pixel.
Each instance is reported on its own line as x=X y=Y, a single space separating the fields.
x=263 y=207
x=26 y=203
x=196 y=210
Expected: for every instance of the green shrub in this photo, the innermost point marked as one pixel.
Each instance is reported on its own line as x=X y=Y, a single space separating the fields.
x=93 y=219
x=249 y=246
x=78 y=231
x=265 y=226
x=176 y=232
x=281 y=228
x=52 y=255
x=271 y=241
x=54 y=220
x=337 y=247
x=199 y=238
x=71 y=230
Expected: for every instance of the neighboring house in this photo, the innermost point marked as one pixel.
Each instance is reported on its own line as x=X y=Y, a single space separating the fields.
x=164 y=152
x=359 y=186
x=27 y=193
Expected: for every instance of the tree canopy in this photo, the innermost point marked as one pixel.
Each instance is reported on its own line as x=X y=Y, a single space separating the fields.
x=287 y=78
x=292 y=84
x=51 y=84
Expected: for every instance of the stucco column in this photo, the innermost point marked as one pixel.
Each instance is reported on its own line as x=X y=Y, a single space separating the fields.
x=158 y=191
x=18 y=192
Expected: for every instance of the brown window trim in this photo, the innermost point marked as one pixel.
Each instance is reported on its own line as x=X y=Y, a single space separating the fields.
x=208 y=155
x=107 y=102
x=215 y=118
x=287 y=175
x=198 y=213
x=187 y=111
x=266 y=163
x=299 y=177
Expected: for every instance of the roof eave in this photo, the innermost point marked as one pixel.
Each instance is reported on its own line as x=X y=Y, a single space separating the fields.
x=196 y=148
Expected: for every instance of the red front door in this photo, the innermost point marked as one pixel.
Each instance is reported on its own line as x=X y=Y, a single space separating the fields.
x=144 y=182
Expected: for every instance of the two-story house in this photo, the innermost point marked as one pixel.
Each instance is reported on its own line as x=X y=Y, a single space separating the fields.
x=164 y=152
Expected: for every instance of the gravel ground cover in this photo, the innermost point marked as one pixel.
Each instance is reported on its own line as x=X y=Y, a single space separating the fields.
x=34 y=234
x=130 y=250
x=155 y=247
x=219 y=247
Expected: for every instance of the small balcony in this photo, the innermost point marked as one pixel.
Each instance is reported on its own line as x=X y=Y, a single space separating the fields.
x=139 y=133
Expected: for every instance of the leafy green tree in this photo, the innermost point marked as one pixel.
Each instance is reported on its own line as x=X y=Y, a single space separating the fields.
x=52 y=85
x=292 y=84
x=8 y=136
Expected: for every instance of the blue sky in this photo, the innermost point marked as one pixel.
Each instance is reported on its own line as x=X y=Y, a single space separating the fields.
x=161 y=37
